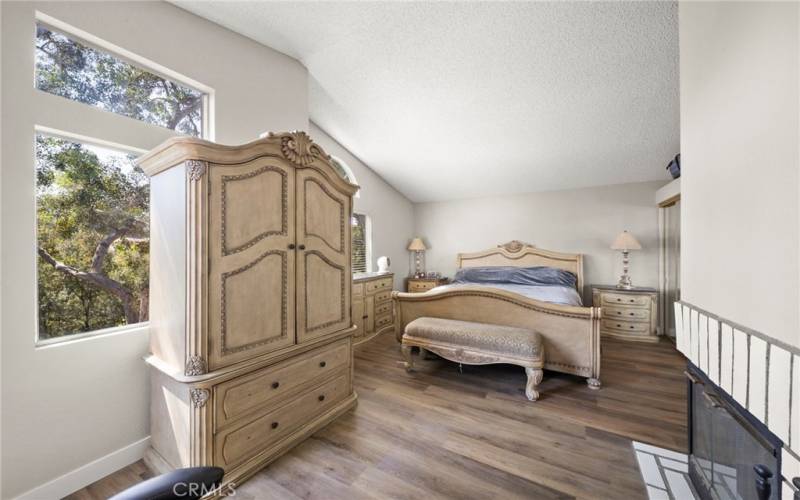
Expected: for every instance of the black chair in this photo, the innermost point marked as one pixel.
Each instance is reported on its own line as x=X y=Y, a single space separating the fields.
x=191 y=483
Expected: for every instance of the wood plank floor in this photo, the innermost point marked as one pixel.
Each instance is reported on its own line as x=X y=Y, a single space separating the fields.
x=438 y=433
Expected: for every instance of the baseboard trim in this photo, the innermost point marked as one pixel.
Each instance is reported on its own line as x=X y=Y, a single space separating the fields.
x=87 y=474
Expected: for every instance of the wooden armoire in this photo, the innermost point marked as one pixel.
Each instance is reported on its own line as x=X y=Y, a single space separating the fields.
x=250 y=300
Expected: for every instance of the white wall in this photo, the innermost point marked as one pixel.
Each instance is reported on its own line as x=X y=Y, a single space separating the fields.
x=739 y=141
x=390 y=212
x=580 y=220
x=69 y=404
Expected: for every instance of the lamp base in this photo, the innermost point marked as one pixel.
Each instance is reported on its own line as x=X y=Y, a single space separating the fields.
x=625 y=282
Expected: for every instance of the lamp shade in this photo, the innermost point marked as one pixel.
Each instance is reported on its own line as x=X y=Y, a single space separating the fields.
x=626 y=241
x=416 y=245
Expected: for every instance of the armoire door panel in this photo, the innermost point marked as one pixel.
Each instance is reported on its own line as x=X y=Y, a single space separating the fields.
x=251 y=275
x=323 y=265
x=323 y=218
x=253 y=207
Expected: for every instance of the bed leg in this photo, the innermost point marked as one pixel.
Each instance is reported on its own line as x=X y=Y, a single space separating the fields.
x=535 y=376
x=594 y=383
x=408 y=361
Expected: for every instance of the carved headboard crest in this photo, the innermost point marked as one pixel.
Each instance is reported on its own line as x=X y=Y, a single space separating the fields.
x=514 y=246
x=298 y=148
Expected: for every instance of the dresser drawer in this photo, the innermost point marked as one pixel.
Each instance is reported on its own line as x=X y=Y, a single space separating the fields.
x=382 y=321
x=628 y=313
x=385 y=307
x=625 y=326
x=242 y=395
x=239 y=443
x=383 y=296
x=381 y=284
x=358 y=289
x=621 y=299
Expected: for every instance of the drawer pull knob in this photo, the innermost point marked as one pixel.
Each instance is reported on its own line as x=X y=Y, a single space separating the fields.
x=321 y=397
x=274 y=425
x=619 y=300
x=322 y=364
x=365 y=316
x=618 y=325
x=275 y=385
x=619 y=312
x=631 y=301
x=631 y=327
x=631 y=314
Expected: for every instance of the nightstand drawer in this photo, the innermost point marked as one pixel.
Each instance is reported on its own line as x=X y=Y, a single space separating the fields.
x=621 y=299
x=383 y=296
x=421 y=286
x=626 y=313
x=625 y=326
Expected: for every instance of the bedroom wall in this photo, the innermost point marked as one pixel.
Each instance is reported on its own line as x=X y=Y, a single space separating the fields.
x=391 y=213
x=739 y=140
x=75 y=411
x=579 y=220
x=740 y=234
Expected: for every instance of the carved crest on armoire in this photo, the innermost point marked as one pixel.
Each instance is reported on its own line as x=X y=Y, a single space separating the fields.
x=251 y=347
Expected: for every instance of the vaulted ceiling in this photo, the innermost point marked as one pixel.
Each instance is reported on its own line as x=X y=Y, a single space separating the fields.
x=455 y=100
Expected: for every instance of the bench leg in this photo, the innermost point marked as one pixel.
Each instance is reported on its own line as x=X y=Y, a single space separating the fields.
x=535 y=376
x=594 y=383
x=408 y=361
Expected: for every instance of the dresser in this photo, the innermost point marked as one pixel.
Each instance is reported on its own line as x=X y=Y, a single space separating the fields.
x=250 y=300
x=420 y=285
x=373 y=312
x=628 y=314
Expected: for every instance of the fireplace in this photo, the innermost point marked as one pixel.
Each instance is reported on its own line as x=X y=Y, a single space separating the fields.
x=732 y=455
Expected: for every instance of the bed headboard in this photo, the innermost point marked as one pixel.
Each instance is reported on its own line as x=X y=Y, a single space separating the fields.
x=518 y=254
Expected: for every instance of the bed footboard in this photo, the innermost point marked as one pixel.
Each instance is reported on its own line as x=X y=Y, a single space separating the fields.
x=571 y=334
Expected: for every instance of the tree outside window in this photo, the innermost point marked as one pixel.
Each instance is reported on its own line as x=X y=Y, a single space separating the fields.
x=92 y=236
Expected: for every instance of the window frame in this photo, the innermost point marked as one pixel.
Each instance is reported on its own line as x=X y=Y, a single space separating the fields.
x=41 y=126
x=367 y=243
x=85 y=38
x=100 y=332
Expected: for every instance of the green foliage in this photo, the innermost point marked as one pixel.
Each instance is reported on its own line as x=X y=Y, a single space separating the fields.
x=83 y=196
x=75 y=71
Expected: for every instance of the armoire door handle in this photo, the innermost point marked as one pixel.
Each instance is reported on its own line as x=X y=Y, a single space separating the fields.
x=302 y=247
x=291 y=246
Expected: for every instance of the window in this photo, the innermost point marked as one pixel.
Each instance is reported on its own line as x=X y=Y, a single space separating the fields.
x=70 y=69
x=344 y=172
x=92 y=220
x=361 y=243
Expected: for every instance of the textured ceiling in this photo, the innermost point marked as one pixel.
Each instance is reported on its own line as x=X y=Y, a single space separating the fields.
x=456 y=100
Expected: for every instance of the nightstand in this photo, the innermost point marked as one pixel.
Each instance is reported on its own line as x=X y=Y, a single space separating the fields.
x=421 y=285
x=628 y=314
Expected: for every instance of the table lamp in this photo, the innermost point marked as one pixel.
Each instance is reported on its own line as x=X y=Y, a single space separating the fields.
x=625 y=242
x=418 y=247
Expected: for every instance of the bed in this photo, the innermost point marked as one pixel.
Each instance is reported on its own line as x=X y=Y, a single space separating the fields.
x=571 y=332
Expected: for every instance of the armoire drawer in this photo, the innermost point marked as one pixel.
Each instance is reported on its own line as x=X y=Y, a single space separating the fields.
x=383 y=296
x=620 y=299
x=629 y=313
x=625 y=326
x=239 y=443
x=381 y=284
x=242 y=395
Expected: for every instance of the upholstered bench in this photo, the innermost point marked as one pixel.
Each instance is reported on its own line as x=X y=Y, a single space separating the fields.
x=477 y=344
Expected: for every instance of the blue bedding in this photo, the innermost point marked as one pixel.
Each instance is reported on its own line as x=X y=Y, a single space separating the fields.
x=547 y=284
